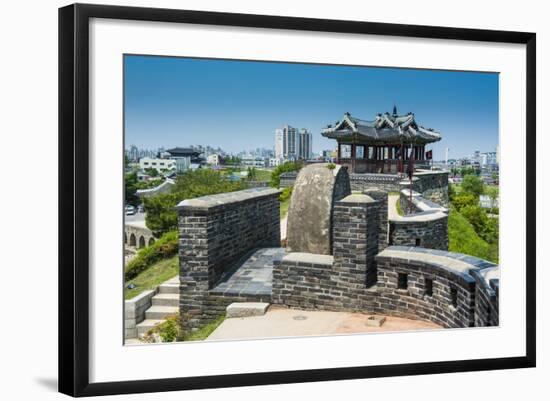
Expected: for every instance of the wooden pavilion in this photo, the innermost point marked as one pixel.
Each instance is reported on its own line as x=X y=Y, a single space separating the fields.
x=383 y=145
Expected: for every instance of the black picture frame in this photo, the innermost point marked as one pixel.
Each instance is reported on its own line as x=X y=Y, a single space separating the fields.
x=74 y=201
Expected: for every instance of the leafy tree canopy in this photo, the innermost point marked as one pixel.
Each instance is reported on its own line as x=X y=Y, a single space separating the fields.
x=283 y=168
x=161 y=214
x=473 y=185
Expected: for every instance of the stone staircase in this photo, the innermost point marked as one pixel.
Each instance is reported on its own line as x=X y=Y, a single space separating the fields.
x=164 y=303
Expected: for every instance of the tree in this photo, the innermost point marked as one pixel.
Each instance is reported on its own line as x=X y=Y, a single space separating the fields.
x=161 y=214
x=283 y=168
x=131 y=185
x=492 y=193
x=252 y=174
x=473 y=185
x=151 y=171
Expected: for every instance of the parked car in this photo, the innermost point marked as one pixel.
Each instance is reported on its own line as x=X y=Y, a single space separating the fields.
x=130 y=210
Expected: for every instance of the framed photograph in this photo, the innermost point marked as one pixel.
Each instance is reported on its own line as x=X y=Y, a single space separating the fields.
x=251 y=199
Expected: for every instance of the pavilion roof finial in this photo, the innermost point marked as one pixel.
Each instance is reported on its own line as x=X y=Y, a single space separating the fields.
x=394 y=110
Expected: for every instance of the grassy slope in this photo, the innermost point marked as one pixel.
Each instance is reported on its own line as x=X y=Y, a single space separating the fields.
x=464 y=239
x=205 y=330
x=263 y=175
x=156 y=274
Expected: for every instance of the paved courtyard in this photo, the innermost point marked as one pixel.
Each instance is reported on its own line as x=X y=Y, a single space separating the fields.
x=252 y=275
x=283 y=322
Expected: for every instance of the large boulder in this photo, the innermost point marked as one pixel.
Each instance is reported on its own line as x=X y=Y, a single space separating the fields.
x=317 y=188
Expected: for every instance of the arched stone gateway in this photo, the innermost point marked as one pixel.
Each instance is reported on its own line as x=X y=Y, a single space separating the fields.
x=137 y=235
x=317 y=188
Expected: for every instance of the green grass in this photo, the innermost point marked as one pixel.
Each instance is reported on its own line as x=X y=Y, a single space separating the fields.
x=464 y=239
x=153 y=276
x=398 y=208
x=206 y=330
x=263 y=175
x=284 y=205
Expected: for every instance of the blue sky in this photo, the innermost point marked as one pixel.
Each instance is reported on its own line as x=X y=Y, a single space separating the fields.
x=237 y=105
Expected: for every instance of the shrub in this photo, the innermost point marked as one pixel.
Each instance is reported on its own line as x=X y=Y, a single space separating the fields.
x=331 y=166
x=285 y=195
x=464 y=239
x=464 y=200
x=476 y=216
x=166 y=332
x=165 y=247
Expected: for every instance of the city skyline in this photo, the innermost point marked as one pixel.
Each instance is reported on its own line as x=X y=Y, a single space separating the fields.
x=181 y=101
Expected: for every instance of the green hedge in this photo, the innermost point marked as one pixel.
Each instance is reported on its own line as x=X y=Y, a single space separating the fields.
x=165 y=247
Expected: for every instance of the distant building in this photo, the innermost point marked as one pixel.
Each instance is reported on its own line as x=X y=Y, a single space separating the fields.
x=252 y=161
x=274 y=162
x=328 y=155
x=305 y=145
x=291 y=144
x=133 y=153
x=185 y=158
x=488 y=159
x=285 y=143
x=213 y=159
x=160 y=165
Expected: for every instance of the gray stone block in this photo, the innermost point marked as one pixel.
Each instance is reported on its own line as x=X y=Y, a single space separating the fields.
x=246 y=309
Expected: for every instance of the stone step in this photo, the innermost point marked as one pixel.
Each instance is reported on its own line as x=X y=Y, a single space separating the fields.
x=166 y=299
x=169 y=288
x=146 y=325
x=246 y=309
x=160 y=312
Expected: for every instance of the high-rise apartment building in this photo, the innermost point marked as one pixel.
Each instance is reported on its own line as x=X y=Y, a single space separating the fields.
x=304 y=144
x=291 y=144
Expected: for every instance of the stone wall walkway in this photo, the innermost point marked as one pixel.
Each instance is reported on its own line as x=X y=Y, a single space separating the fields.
x=252 y=275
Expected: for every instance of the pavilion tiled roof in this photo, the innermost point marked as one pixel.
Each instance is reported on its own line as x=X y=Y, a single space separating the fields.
x=183 y=152
x=385 y=129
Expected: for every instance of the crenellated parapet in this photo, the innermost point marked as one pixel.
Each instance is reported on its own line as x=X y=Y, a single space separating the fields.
x=424 y=223
x=444 y=287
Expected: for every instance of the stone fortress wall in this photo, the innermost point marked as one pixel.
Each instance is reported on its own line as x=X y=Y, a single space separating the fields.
x=431 y=184
x=137 y=236
x=424 y=223
x=362 y=271
x=215 y=232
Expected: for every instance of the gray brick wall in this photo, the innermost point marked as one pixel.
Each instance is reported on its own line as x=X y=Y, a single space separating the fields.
x=413 y=302
x=433 y=185
x=383 y=182
x=214 y=232
x=487 y=295
x=432 y=233
x=355 y=239
x=310 y=281
x=382 y=197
